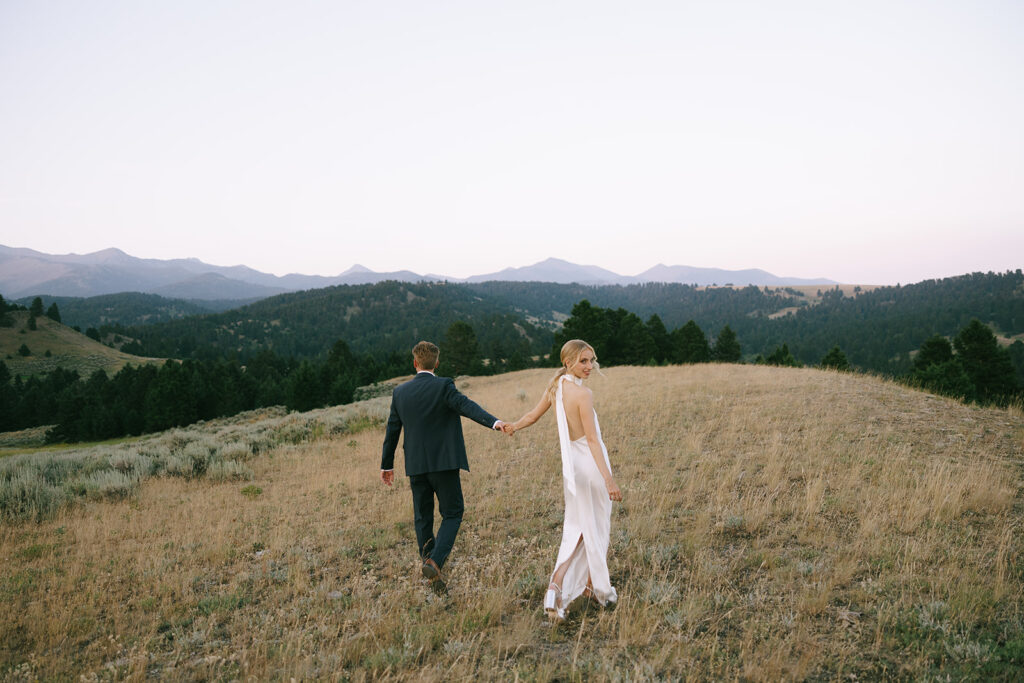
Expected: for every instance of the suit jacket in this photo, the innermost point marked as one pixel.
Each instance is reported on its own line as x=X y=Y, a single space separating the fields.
x=430 y=410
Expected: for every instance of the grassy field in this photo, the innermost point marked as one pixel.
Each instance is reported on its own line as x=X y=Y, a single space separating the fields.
x=777 y=524
x=68 y=349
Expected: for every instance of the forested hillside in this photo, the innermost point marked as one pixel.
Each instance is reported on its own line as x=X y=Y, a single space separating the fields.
x=130 y=308
x=314 y=348
x=378 y=319
x=877 y=329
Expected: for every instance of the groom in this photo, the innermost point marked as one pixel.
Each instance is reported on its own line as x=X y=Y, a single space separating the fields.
x=429 y=408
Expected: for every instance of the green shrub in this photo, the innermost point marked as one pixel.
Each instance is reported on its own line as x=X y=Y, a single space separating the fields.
x=252 y=492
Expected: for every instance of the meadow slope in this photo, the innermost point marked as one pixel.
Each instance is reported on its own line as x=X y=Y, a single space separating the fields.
x=776 y=524
x=68 y=349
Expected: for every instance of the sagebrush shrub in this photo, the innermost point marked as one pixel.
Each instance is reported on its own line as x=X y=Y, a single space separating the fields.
x=27 y=495
x=228 y=470
x=105 y=484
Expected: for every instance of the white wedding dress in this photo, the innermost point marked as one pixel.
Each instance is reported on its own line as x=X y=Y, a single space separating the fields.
x=588 y=513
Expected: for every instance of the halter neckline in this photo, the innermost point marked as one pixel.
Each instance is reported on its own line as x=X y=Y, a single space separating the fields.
x=578 y=381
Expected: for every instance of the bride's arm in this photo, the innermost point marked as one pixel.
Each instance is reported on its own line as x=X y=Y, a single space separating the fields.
x=594 y=442
x=534 y=415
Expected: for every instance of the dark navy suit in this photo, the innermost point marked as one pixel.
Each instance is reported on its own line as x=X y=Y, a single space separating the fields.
x=430 y=409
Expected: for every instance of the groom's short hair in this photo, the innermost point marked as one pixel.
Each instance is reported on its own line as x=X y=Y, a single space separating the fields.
x=425 y=354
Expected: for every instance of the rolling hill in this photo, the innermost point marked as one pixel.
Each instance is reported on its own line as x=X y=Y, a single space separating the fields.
x=776 y=524
x=55 y=345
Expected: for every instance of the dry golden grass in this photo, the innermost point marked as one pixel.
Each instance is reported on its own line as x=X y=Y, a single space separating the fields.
x=777 y=524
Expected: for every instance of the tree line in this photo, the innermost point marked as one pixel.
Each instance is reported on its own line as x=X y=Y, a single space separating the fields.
x=879 y=330
x=622 y=338
x=149 y=398
x=973 y=367
x=223 y=379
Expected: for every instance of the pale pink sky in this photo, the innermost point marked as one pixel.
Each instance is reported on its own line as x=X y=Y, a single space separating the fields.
x=869 y=142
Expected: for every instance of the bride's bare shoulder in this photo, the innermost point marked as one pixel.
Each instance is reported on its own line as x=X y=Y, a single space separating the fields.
x=576 y=392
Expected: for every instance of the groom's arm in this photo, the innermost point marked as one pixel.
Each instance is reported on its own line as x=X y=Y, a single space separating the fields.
x=463 y=405
x=391 y=434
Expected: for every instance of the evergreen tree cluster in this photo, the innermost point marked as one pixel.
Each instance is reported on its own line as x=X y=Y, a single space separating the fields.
x=127 y=309
x=620 y=337
x=5 y=308
x=973 y=367
x=147 y=398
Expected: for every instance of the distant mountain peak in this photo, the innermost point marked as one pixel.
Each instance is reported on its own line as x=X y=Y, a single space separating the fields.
x=108 y=255
x=24 y=272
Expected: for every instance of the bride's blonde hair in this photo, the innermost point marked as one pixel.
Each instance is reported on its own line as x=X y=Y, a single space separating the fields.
x=571 y=352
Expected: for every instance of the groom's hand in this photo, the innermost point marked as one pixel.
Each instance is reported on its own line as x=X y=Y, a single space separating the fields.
x=387 y=476
x=504 y=427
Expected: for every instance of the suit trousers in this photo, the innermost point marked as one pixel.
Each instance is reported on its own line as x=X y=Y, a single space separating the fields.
x=447 y=487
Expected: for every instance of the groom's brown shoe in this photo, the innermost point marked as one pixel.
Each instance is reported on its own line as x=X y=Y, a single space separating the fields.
x=432 y=573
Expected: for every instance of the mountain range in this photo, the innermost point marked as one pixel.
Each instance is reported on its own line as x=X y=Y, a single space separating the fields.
x=26 y=272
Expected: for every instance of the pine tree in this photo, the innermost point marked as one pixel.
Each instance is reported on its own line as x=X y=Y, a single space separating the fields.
x=5 y=320
x=589 y=323
x=690 y=345
x=727 y=347
x=304 y=390
x=987 y=364
x=36 y=308
x=947 y=378
x=53 y=313
x=782 y=356
x=934 y=351
x=835 y=359
x=659 y=338
x=7 y=399
x=629 y=342
x=460 y=354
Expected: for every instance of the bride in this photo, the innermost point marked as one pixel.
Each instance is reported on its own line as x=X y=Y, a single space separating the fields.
x=587 y=482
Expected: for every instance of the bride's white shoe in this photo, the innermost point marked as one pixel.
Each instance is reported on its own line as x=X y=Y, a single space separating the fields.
x=553 y=603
